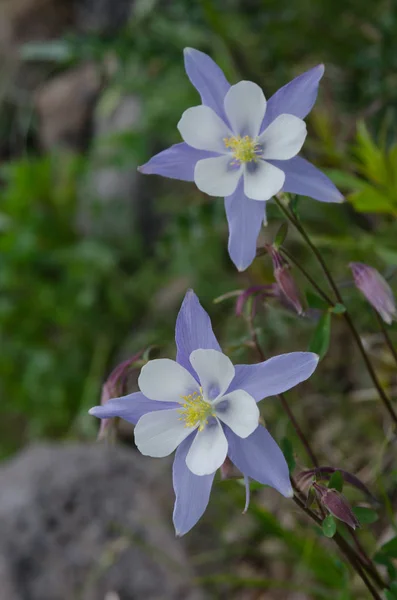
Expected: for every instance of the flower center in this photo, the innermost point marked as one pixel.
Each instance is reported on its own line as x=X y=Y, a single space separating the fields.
x=196 y=411
x=245 y=149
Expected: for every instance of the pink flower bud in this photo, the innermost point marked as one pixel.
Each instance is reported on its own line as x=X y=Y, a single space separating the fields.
x=285 y=280
x=114 y=386
x=259 y=292
x=229 y=470
x=337 y=505
x=376 y=290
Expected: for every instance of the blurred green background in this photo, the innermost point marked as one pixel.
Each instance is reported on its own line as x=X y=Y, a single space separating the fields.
x=96 y=258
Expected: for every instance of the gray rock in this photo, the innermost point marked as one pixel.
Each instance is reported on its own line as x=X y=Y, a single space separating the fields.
x=85 y=523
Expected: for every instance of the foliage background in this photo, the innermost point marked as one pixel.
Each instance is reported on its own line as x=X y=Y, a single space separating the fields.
x=75 y=300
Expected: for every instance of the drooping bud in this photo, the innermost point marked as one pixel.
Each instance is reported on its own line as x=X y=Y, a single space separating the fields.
x=257 y=292
x=376 y=290
x=336 y=504
x=115 y=386
x=229 y=470
x=286 y=283
x=305 y=478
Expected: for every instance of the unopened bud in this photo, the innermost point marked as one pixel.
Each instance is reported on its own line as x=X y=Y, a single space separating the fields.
x=337 y=505
x=376 y=290
x=257 y=292
x=285 y=281
x=229 y=470
x=115 y=386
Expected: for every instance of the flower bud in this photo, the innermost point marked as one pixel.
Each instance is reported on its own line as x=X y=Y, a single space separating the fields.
x=115 y=386
x=229 y=470
x=260 y=292
x=337 y=505
x=376 y=290
x=285 y=280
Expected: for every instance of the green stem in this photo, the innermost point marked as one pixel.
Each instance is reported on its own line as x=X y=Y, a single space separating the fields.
x=345 y=549
x=283 y=399
x=352 y=556
x=382 y=394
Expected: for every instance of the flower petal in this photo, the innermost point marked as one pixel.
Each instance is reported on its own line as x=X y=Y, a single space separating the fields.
x=216 y=176
x=245 y=217
x=176 y=162
x=283 y=138
x=130 y=408
x=303 y=178
x=259 y=457
x=245 y=106
x=262 y=180
x=239 y=411
x=165 y=380
x=157 y=434
x=201 y=128
x=193 y=330
x=215 y=371
x=295 y=98
x=274 y=376
x=208 y=450
x=192 y=492
x=207 y=78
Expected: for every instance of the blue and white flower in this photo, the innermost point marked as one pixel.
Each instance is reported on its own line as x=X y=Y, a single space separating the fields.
x=239 y=146
x=205 y=408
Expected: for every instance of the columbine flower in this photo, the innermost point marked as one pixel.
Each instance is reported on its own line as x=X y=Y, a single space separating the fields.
x=376 y=290
x=205 y=408
x=241 y=147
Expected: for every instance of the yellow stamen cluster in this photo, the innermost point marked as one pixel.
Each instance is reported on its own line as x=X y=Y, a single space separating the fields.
x=195 y=411
x=245 y=149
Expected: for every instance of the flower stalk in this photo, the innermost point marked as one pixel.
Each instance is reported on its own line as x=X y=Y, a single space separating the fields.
x=382 y=394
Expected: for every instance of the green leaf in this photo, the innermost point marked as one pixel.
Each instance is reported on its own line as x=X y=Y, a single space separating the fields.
x=391 y=594
x=336 y=481
x=314 y=301
x=366 y=516
x=372 y=200
x=321 y=336
x=281 y=235
x=329 y=526
x=346 y=180
x=288 y=451
x=390 y=548
x=294 y=205
x=338 y=309
x=311 y=497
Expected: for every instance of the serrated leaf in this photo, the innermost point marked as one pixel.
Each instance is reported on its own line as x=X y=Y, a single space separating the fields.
x=288 y=451
x=336 y=481
x=281 y=235
x=329 y=526
x=321 y=336
x=366 y=516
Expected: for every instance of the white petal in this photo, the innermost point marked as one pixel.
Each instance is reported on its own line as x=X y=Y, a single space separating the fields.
x=165 y=380
x=245 y=107
x=215 y=371
x=262 y=180
x=201 y=128
x=239 y=411
x=216 y=177
x=208 y=450
x=158 y=433
x=283 y=138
